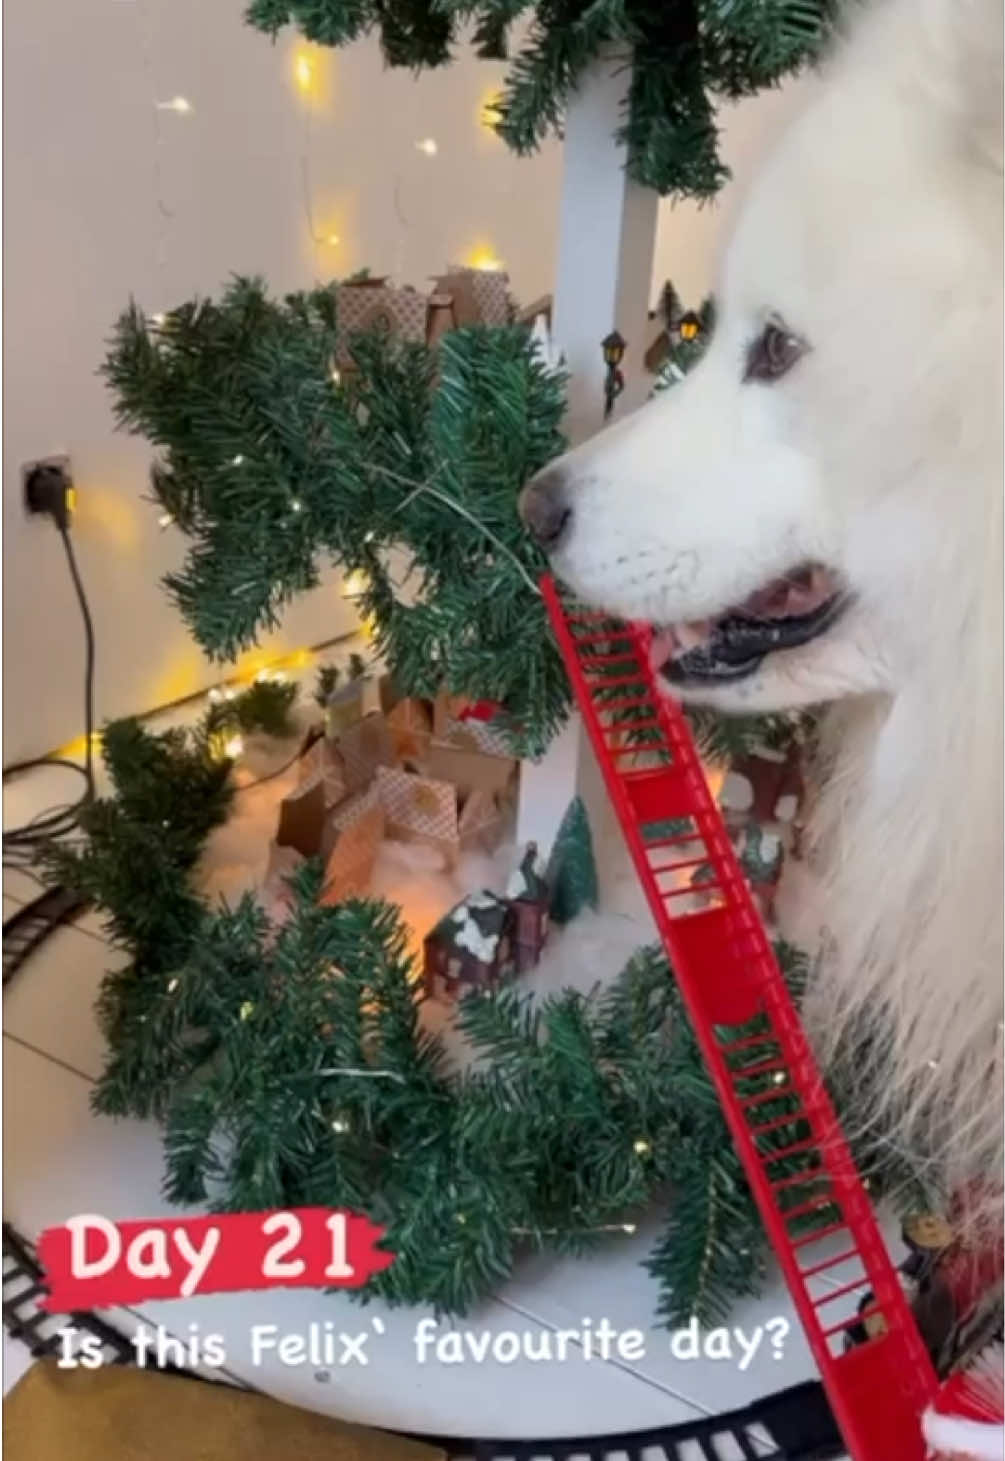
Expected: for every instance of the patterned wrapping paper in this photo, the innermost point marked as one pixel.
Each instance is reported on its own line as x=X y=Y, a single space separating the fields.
x=461 y=296
x=353 y=807
x=349 y=868
x=458 y=722
x=372 y=304
x=419 y=809
x=489 y=289
x=363 y=748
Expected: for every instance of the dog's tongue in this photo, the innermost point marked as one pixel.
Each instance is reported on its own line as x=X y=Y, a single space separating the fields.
x=667 y=643
x=662 y=647
x=796 y=594
x=787 y=598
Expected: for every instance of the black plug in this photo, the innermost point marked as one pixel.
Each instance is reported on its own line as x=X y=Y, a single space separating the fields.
x=48 y=488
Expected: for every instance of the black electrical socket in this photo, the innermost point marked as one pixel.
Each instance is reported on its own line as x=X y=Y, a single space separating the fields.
x=48 y=488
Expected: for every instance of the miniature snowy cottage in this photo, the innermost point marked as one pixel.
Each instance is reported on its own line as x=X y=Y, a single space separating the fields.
x=529 y=897
x=471 y=947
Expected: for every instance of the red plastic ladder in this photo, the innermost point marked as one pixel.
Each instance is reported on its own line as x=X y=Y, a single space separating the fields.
x=729 y=978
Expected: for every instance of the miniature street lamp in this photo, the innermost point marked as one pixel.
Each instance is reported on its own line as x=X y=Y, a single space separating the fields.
x=613 y=346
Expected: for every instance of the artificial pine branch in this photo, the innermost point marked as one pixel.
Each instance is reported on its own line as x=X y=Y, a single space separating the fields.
x=686 y=55
x=268 y=467
x=712 y=1249
x=290 y=1066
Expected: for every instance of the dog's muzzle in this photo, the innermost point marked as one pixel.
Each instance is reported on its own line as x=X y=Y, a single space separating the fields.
x=546 y=509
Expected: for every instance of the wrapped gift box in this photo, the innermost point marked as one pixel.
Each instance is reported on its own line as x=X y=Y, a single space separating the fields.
x=302 y=819
x=323 y=763
x=470 y=770
x=419 y=809
x=364 y=747
x=480 y=822
x=368 y=304
x=411 y=727
x=349 y=868
x=481 y=296
x=469 y=725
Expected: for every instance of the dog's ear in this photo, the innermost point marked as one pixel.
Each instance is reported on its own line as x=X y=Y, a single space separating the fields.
x=965 y=74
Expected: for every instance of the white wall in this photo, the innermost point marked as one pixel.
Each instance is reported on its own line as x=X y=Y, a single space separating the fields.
x=85 y=177
x=689 y=234
x=108 y=197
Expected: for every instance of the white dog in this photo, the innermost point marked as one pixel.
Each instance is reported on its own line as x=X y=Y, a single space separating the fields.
x=815 y=516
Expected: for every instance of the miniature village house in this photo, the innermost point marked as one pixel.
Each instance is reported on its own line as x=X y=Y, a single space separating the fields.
x=485 y=939
x=471 y=947
x=529 y=897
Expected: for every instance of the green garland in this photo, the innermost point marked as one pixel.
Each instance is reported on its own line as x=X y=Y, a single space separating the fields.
x=410 y=464
x=686 y=55
x=290 y=1066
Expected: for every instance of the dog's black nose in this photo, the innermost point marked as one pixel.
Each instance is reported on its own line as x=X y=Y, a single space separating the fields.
x=544 y=507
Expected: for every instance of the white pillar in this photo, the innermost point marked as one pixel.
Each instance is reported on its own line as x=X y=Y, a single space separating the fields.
x=607 y=233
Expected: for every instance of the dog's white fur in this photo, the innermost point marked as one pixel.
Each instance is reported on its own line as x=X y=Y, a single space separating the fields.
x=874 y=230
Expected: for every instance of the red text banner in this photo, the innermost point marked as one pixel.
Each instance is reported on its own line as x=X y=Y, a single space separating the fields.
x=91 y=1262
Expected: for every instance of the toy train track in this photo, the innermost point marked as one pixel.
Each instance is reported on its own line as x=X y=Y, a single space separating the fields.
x=795 y=1157
x=31 y=925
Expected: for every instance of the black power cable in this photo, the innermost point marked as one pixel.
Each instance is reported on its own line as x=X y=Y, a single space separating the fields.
x=22 y=844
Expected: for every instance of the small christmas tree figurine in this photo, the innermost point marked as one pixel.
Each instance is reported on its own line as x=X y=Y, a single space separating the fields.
x=572 y=871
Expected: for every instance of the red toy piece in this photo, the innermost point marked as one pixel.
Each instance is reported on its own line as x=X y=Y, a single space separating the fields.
x=747 y=1025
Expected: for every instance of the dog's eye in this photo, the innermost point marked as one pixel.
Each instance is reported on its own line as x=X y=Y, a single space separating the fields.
x=775 y=351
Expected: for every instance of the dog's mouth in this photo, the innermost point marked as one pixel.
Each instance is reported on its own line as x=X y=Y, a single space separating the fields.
x=785 y=613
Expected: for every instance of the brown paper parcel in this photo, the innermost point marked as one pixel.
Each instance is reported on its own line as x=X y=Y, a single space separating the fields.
x=373 y=304
x=490 y=288
x=469 y=734
x=411 y=727
x=419 y=809
x=480 y=824
x=302 y=819
x=323 y=763
x=469 y=770
x=364 y=747
x=349 y=869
